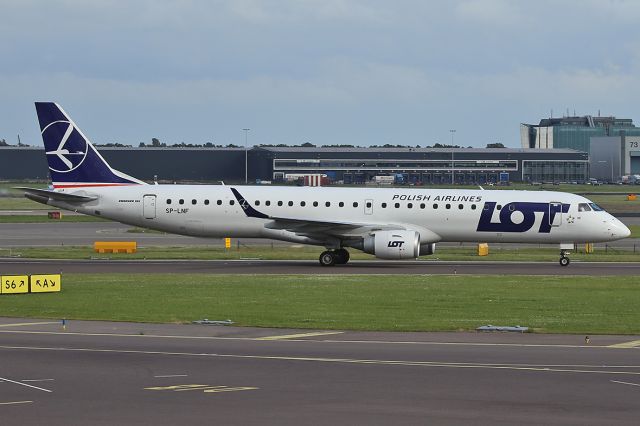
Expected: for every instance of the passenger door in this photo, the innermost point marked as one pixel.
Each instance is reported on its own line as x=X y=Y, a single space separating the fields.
x=149 y=206
x=555 y=213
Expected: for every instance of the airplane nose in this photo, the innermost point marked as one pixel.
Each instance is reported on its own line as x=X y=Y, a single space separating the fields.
x=624 y=230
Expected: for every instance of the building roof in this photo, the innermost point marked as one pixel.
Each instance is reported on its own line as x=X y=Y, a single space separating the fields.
x=418 y=150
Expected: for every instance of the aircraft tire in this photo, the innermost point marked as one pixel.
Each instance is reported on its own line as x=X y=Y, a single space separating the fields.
x=564 y=261
x=327 y=258
x=342 y=256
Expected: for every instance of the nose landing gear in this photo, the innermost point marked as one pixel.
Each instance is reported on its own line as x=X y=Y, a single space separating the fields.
x=564 y=259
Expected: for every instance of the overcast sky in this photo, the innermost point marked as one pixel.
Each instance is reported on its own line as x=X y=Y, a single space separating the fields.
x=326 y=72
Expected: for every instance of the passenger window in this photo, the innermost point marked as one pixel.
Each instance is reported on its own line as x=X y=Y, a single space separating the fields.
x=461 y=206
x=473 y=206
x=397 y=205
x=257 y=202
x=168 y=200
x=315 y=204
x=181 y=202
x=267 y=203
x=193 y=202
x=409 y=205
x=498 y=207
x=511 y=207
x=448 y=206
x=383 y=205
x=231 y=202
x=279 y=203
x=355 y=204
x=368 y=204
x=486 y=207
x=340 y=204
x=422 y=206
x=584 y=207
x=219 y=202
x=303 y=203
x=206 y=202
x=290 y=203
x=328 y=204
x=435 y=206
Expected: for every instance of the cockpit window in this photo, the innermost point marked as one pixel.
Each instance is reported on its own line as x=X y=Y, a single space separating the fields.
x=584 y=207
x=596 y=207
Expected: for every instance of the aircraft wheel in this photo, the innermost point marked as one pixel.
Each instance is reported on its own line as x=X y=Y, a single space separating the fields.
x=564 y=261
x=342 y=256
x=327 y=258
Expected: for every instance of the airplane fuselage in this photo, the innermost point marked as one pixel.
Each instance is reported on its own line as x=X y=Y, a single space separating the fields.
x=438 y=214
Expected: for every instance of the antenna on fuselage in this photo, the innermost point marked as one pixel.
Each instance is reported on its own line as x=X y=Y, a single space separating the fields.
x=481 y=188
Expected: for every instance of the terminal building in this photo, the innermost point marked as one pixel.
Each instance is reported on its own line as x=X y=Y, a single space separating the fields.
x=417 y=166
x=613 y=143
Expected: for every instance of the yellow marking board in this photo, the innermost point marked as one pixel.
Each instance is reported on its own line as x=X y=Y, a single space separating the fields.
x=15 y=284
x=227 y=243
x=45 y=283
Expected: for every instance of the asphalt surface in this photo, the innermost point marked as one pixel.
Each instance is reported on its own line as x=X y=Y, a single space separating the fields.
x=117 y=373
x=44 y=266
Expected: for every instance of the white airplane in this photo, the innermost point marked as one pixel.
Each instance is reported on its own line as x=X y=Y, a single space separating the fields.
x=390 y=223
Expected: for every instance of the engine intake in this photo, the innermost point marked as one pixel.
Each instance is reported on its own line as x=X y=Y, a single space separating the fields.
x=393 y=244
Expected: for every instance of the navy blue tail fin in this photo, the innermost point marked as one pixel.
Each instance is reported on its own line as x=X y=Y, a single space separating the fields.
x=73 y=160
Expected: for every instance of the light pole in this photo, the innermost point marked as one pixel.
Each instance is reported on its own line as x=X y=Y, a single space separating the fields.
x=453 y=169
x=246 y=162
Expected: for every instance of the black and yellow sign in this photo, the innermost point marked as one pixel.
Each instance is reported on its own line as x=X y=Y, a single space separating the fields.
x=45 y=283
x=15 y=284
x=19 y=284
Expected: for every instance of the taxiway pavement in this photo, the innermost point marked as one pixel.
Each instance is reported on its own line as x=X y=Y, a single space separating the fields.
x=119 y=373
x=44 y=266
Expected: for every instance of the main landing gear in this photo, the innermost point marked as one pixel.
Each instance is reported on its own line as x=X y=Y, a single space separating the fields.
x=564 y=258
x=334 y=257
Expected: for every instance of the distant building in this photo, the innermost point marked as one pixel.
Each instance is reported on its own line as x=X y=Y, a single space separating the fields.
x=613 y=143
x=347 y=165
x=423 y=165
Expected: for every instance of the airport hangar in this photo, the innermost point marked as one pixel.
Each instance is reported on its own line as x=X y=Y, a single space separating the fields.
x=341 y=165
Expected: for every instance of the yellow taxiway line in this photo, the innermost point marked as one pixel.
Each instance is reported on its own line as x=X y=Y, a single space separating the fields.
x=21 y=324
x=299 y=335
x=626 y=345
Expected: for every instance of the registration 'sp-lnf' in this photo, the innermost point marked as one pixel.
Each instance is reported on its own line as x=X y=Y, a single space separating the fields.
x=390 y=223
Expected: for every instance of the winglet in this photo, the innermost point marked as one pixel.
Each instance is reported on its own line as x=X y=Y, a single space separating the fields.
x=248 y=210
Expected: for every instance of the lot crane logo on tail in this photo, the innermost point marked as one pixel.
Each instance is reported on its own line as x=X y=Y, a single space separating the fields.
x=72 y=149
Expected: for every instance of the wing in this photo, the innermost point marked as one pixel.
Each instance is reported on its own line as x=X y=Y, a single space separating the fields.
x=315 y=228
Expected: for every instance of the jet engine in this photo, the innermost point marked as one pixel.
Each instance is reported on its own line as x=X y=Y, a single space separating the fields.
x=393 y=244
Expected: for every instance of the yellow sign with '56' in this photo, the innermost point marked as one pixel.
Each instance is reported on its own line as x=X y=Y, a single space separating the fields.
x=45 y=283
x=14 y=284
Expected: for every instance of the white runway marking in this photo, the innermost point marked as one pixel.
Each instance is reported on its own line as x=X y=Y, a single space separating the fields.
x=24 y=384
x=379 y=342
x=595 y=369
x=625 y=383
x=37 y=380
x=172 y=375
x=15 y=402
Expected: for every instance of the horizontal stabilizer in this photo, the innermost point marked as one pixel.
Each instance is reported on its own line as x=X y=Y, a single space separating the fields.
x=44 y=195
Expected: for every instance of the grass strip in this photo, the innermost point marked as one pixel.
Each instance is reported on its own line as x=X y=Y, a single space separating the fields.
x=547 y=304
x=42 y=218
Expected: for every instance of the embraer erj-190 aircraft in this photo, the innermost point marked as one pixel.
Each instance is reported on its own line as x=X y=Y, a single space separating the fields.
x=390 y=223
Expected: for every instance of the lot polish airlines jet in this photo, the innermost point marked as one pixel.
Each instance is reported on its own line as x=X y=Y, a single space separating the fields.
x=390 y=223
